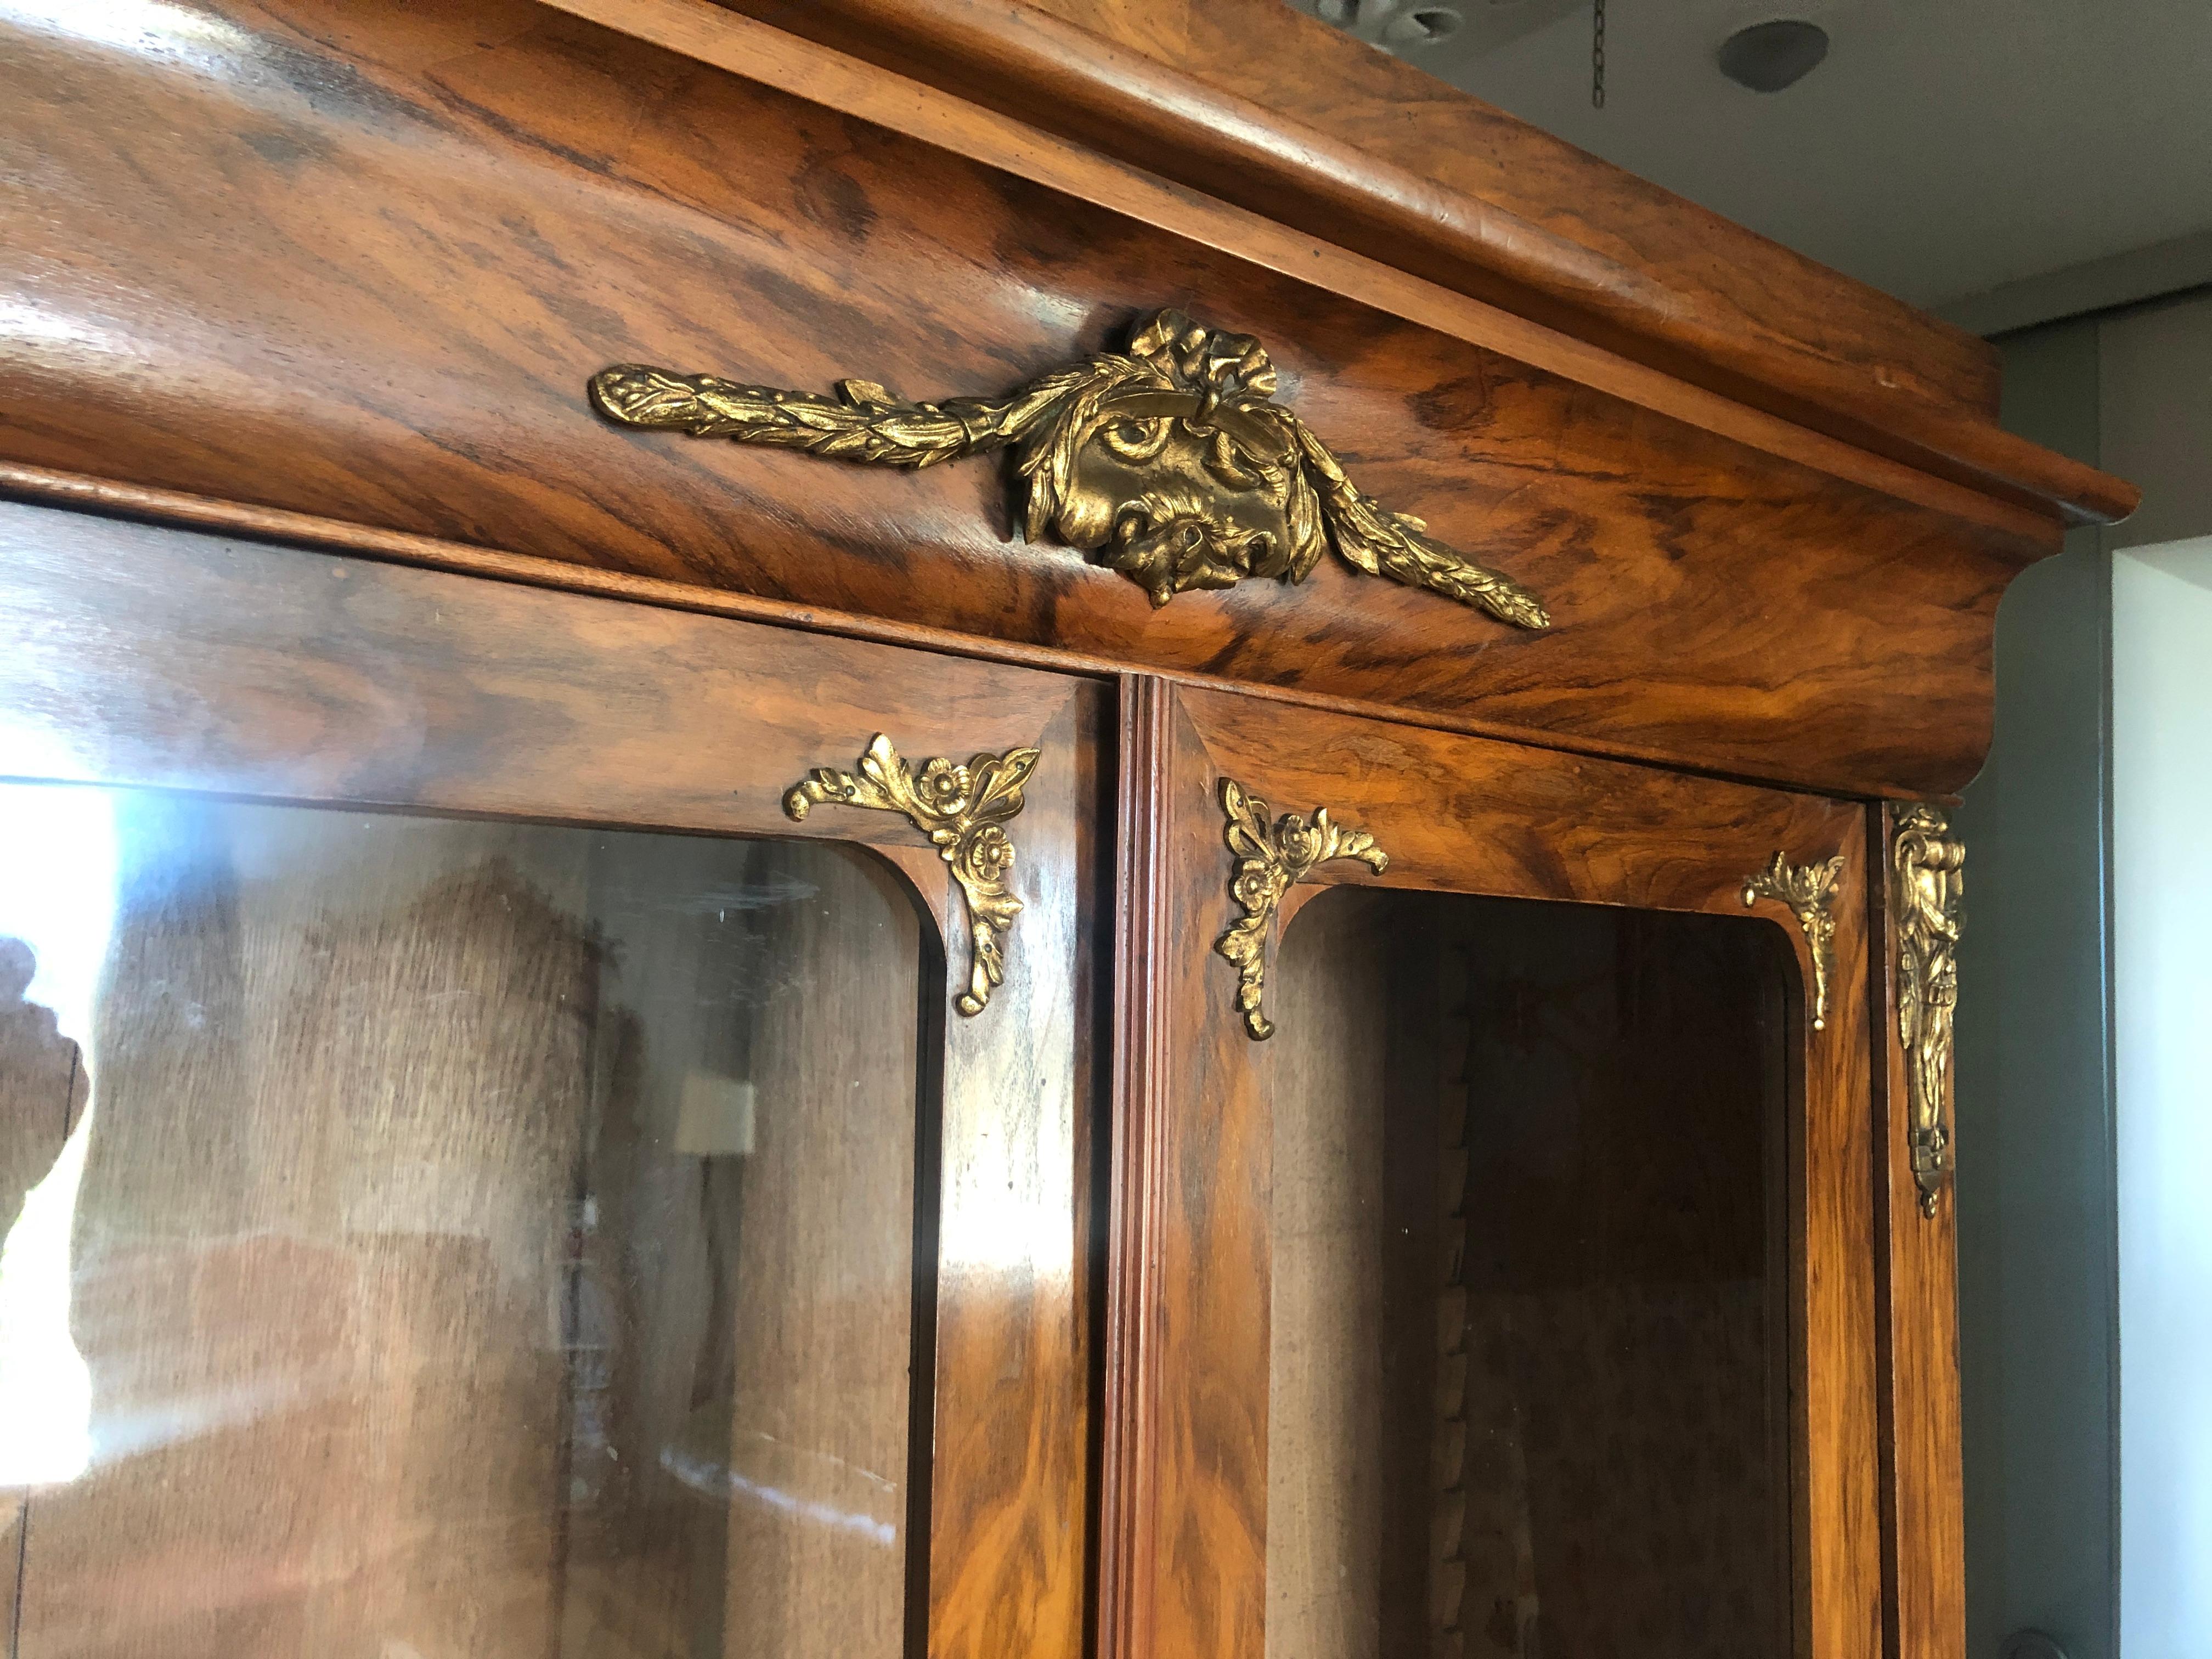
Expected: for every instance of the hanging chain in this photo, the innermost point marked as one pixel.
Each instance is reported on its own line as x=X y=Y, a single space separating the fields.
x=1597 y=54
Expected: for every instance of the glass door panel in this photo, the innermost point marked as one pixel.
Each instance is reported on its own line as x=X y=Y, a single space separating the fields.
x=436 y=1237
x=1530 y=1372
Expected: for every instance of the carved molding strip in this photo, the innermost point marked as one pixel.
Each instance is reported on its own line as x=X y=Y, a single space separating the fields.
x=964 y=810
x=1809 y=890
x=1272 y=859
x=1930 y=875
x=1171 y=462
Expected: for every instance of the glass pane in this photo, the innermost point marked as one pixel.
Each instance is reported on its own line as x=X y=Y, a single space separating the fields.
x=442 y=1240
x=1530 y=1386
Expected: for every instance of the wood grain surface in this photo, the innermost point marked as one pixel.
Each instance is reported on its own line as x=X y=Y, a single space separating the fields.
x=1292 y=118
x=139 y=656
x=1459 y=815
x=398 y=242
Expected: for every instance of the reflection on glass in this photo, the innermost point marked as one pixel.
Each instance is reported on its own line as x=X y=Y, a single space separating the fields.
x=56 y=911
x=491 y=1239
x=1529 y=1379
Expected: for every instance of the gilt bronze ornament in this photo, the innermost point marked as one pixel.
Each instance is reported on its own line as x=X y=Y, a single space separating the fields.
x=1170 y=463
x=1809 y=891
x=1929 y=869
x=963 y=810
x=1272 y=858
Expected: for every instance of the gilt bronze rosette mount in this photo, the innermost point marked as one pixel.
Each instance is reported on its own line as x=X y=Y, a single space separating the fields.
x=964 y=810
x=1171 y=462
x=1272 y=857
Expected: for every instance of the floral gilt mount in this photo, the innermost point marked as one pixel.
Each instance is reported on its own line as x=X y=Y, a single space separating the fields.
x=1171 y=462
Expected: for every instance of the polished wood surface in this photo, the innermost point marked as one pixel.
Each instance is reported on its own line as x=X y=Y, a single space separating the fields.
x=137 y=656
x=1923 y=1469
x=279 y=317
x=1289 y=117
x=167 y=507
x=1455 y=814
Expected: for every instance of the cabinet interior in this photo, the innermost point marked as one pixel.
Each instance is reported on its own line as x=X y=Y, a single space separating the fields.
x=1530 y=1384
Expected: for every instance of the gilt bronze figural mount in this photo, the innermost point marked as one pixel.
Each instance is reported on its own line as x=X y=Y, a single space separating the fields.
x=1929 y=867
x=1171 y=462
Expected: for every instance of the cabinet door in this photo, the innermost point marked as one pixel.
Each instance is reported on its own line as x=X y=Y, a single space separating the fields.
x=486 y=1176
x=1494 y=1230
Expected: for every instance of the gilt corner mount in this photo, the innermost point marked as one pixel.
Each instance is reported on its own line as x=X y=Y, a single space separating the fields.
x=1809 y=891
x=1171 y=462
x=1272 y=858
x=963 y=810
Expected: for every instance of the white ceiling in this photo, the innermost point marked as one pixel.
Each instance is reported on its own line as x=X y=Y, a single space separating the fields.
x=1945 y=148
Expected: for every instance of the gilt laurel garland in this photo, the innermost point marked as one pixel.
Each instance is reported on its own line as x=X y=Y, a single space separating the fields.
x=1271 y=859
x=1170 y=463
x=1930 y=870
x=963 y=810
x=1809 y=890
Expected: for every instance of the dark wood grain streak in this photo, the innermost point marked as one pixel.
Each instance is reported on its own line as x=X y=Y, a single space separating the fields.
x=1291 y=119
x=1461 y=815
x=133 y=655
x=395 y=243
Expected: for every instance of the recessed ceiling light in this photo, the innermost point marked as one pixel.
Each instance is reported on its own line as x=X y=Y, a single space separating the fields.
x=1768 y=56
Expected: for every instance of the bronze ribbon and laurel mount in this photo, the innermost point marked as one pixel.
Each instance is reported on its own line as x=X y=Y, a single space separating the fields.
x=963 y=810
x=1170 y=463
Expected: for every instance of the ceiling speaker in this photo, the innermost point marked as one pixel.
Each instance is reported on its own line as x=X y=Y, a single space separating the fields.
x=1768 y=56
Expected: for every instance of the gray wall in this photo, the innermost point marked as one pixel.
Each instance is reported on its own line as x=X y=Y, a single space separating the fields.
x=2130 y=390
x=2156 y=397
x=2037 y=1295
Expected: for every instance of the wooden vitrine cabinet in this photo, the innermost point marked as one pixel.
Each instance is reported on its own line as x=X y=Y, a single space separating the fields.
x=939 y=829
